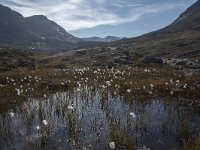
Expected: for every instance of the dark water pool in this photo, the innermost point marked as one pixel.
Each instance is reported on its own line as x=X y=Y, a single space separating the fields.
x=91 y=118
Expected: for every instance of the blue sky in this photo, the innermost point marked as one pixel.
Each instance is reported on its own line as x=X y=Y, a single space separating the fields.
x=123 y=18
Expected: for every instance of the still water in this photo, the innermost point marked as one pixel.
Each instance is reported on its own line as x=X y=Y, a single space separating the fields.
x=91 y=118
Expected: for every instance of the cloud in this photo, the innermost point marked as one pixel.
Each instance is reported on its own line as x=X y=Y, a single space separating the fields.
x=82 y=14
x=100 y=1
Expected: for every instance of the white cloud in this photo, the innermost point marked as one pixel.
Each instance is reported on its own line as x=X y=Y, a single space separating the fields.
x=81 y=14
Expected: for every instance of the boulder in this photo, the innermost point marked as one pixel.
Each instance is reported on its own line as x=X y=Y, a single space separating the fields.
x=81 y=52
x=122 y=60
x=152 y=59
x=181 y=63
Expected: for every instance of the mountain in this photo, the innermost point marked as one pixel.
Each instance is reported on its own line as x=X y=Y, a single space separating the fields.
x=98 y=39
x=48 y=29
x=180 y=39
x=13 y=27
x=177 y=45
x=35 y=30
x=188 y=20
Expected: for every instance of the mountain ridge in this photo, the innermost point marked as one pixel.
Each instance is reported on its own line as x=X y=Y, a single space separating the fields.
x=36 y=30
x=178 y=39
x=48 y=29
x=188 y=20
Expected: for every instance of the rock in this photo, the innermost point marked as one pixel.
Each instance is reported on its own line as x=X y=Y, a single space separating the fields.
x=81 y=52
x=152 y=59
x=122 y=60
x=181 y=63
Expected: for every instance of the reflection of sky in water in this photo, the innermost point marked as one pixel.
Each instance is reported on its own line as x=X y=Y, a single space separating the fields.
x=91 y=122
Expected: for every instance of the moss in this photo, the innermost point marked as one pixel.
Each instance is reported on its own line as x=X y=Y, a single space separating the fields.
x=192 y=145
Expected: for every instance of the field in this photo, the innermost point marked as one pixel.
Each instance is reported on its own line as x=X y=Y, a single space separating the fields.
x=59 y=91
x=91 y=107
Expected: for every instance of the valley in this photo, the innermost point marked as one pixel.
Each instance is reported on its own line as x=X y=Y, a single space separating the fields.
x=58 y=91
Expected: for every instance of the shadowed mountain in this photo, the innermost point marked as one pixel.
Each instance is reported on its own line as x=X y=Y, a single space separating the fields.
x=48 y=29
x=98 y=39
x=35 y=31
x=13 y=27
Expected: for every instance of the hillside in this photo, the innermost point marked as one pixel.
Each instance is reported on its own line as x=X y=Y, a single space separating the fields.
x=13 y=58
x=180 y=39
x=177 y=45
x=35 y=31
x=11 y=24
x=49 y=30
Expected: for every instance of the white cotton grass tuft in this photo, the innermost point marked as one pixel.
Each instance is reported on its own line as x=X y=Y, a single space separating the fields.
x=112 y=145
x=11 y=114
x=171 y=92
x=132 y=114
x=171 y=81
x=151 y=85
x=150 y=92
x=38 y=127
x=108 y=83
x=128 y=90
x=44 y=122
x=70 y=107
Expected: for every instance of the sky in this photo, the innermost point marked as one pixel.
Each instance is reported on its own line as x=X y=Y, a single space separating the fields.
x=86 y=18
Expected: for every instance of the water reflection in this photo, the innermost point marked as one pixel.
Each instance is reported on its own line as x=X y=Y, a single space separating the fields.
x=95 y=118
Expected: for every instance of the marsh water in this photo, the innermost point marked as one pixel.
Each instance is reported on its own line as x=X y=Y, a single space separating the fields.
x=96 y=117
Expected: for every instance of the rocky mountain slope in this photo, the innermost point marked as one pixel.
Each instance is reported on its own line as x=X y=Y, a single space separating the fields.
x=180 y=39
x=49 y=30
x=13 y=27
x=36 y=30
